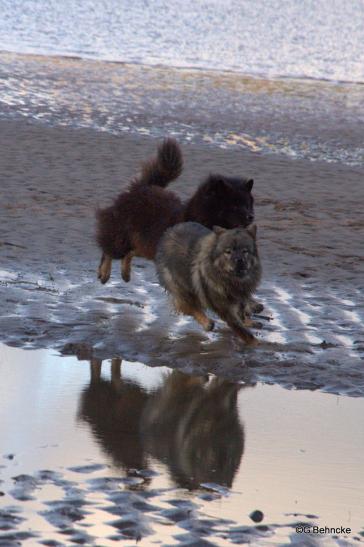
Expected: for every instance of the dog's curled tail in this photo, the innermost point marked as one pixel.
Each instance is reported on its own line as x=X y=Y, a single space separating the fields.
x=165 y=167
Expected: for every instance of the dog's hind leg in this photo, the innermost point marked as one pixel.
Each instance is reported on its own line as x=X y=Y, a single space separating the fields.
x=126 y=266
x=104 y=270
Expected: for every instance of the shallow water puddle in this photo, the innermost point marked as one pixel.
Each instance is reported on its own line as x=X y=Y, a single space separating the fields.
x=96 y=453
x=309 y=339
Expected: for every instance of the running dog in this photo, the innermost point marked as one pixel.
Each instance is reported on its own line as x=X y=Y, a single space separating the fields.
x=215 y=269
x=140 y=215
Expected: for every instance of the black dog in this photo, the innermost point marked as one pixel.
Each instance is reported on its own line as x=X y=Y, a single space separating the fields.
x=140 y=215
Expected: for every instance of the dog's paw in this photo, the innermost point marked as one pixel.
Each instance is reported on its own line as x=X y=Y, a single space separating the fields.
x=255 y=306
x=250 y=323
x=104 y=270
x=104 y=279
x=125 y=276
x=103 y=275
x=210 y=326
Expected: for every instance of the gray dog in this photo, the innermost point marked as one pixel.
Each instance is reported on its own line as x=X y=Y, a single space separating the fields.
x=215 y=269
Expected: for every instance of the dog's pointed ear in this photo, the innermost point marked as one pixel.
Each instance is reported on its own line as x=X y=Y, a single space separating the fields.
x=249 y=184
x=252 y=230
x=218 y=230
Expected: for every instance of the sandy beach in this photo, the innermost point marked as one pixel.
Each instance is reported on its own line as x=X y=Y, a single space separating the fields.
x=310 y=231
x=121 y=421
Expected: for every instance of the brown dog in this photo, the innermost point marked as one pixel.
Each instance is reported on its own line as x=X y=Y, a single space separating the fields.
x=134 y=224
x=211 y=269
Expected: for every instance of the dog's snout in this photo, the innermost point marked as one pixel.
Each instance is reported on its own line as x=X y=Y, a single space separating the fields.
x=240 y=265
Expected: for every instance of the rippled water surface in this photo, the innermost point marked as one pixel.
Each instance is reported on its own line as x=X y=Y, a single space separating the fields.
x=312 y=39
x=99 y=452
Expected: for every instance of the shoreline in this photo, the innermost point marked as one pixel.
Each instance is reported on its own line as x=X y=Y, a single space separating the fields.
x=276 y=118
x=273 y=78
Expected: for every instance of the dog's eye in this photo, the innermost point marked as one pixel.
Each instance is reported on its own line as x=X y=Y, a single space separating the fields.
x=227 y=251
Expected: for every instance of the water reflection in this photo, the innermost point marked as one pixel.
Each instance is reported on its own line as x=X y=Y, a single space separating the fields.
x=190 y=423
x=303 y=455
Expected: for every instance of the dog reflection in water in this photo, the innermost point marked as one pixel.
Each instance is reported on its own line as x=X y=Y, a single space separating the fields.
x=190 y=423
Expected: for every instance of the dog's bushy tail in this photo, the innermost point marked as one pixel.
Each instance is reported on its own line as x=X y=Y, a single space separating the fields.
x=165 y=166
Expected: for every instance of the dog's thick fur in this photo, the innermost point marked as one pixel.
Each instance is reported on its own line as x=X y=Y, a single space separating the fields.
x=217 y=270
x=134 y=224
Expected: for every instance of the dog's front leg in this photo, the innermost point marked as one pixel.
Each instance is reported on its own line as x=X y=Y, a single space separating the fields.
x=243 y=313
x=237 y=324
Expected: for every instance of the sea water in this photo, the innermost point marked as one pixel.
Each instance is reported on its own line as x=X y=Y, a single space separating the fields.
x=320 y=39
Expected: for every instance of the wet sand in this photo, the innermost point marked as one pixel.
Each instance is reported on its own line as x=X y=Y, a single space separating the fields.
x=305 y=119
x=310 y=227
x=66 y=477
